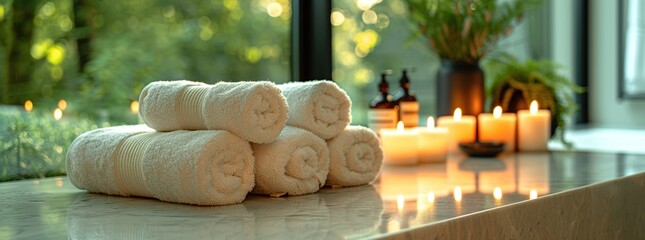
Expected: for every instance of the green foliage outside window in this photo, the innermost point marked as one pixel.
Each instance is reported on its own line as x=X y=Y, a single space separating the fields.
x=98 y=55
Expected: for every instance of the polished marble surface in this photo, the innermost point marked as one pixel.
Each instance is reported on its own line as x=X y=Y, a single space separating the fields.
x=402 y=202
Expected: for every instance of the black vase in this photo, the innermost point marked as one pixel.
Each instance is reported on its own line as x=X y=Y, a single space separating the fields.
x=460 y=85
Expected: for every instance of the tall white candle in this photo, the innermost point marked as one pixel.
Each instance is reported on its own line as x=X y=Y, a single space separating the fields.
x=534 y=128
x=461 y=129
x=399 y=146
x=498 y=127
x=433 y=143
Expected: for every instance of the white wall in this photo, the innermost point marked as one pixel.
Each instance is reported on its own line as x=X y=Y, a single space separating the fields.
x=562 y=35
x=606 y=109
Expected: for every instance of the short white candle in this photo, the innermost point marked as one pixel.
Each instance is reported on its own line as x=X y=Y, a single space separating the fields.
x=498 y=127
x=461 y=129
x=399 y=146
x=433 y=143
x=534 y=128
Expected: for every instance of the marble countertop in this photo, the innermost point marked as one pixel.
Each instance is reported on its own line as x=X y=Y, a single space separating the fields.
x=402 y=202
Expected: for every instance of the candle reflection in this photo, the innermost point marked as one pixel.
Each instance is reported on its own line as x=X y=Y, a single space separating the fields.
x=497 y=194
x=533 y=194
x=457 y=194
x=429 y=192
x=431 y=197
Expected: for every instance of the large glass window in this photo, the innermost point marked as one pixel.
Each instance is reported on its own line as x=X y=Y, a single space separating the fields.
x=68 y=66
x=371 y=36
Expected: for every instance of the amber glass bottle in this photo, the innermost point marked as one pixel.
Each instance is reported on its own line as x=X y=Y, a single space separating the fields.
x=407 y=102
x=383 y=111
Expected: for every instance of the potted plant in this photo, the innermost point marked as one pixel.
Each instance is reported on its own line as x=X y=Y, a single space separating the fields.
x=514 y=84
x=461 y=32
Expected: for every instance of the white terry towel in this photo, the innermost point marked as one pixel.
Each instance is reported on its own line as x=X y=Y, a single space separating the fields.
x=296 y=163
x=355 y=157
x=255 y=111
x=318 y=106
x=194 y=167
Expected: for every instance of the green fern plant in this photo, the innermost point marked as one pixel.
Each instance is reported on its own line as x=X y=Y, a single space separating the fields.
x=465 y=30
x=514 y=84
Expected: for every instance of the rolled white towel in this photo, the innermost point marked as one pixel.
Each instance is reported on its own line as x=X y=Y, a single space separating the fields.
x=296 y=163
x=255 y=111
x=355 y=157
x=195 y=167
x=318 y=106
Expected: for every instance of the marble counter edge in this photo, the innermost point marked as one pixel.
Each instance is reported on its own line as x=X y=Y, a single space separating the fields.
x=582 y=213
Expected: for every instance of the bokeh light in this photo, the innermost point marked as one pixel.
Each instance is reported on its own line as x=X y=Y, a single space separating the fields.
x=62 y=104
x=58 y=114
x=55 y=54
x=369 y=17
x=337 y=18
x=134 y=106
x=274 y=9
x=29 y=105
x=365 y=4
x=1 y=12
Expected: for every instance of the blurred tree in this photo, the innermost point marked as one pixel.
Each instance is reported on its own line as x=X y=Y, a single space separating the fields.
x=17 y=44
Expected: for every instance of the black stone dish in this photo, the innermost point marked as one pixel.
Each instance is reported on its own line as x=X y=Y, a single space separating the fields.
x=482 y=149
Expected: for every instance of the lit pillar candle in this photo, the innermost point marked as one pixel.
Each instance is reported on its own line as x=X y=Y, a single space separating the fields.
x=461 y=129
x=498 y=127
x=433 y=143
x=399 y=146
x=534 y=128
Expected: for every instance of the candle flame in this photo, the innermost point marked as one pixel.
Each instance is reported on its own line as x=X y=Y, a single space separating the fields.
x=457 y=115
x=430 y=123
x=58 y=114
x=457 y=194
x=497 y=193
x=431 y=197
x=497 y=112
x=533 y=194
x=400 y=127
x=400 y=202
x=62 y=104
x=134 y=106
x=29 y=105
x=534 y=107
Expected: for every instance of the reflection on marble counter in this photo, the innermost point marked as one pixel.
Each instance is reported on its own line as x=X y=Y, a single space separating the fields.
x=402 y=198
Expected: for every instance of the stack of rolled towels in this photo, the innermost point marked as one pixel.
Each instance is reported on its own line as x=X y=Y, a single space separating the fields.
x=213 y=144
